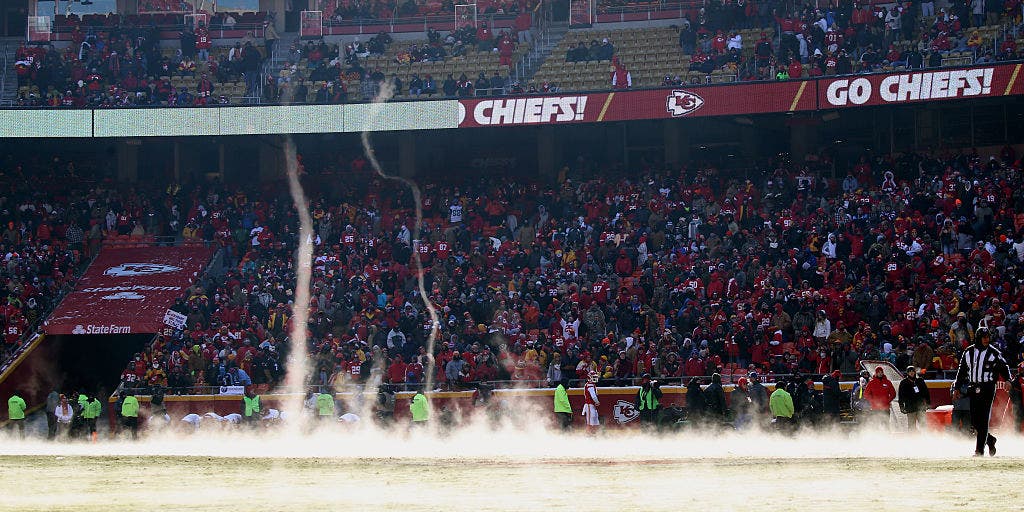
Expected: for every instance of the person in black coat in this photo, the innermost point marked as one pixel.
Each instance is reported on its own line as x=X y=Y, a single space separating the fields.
x=714 y=400
x=695 y=403
x=806 y=399
x=831 y=396
x=758 y=397
x=914 y=398
x=1017 y=397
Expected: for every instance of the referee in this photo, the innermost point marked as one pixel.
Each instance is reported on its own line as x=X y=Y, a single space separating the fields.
x=980 y=365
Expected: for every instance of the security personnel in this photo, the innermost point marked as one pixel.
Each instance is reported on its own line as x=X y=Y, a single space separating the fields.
x=419 y=409
x=16 y=412
x=980 y=366
x=250 y=407
x=90 y=411
x=130 y=414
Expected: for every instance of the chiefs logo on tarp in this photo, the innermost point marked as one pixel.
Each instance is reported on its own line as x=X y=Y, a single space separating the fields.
x=139 y=269
x=681 y=102
x=624 y=412
x=124 y=296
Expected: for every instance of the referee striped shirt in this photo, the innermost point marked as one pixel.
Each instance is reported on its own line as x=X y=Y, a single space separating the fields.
x=981 y=365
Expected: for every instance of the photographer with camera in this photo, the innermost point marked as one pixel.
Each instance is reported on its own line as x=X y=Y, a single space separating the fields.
x=647 y=400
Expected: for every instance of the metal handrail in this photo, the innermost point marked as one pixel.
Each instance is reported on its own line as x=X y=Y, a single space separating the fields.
x=255 y=27
x=359 y=387
x=3 y=79
x=162 y=241
x=428 y=18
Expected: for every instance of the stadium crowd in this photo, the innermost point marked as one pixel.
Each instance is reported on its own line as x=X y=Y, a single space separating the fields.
x=119 y=63
x=851 y=37
x=676 y=272
x=51 y=225
x=124 y=67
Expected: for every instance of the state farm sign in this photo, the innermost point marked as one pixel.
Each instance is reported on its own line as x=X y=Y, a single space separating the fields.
x=101 y=329
x=906 y=87
x=539 y=110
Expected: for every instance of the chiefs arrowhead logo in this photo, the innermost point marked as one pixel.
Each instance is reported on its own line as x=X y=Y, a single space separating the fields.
x=624 y=412
x=139 y=269
x=681 y=102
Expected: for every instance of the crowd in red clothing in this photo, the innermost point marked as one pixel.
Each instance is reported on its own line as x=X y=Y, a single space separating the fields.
x=676 y=272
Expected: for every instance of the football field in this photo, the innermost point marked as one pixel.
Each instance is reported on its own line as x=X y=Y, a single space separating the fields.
x=341 y=472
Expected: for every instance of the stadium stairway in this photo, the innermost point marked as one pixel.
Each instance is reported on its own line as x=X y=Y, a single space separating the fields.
x=9 y=89
x=545 y=43
x=280 y=56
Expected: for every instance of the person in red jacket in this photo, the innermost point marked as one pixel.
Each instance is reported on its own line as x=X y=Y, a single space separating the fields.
x=203 y=41
x=880 y=393
x=623 y=265
x=506 y=47
x=621 y=77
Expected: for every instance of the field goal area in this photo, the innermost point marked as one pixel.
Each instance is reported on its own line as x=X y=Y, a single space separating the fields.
x=581 y=13
x=40 y=28
x=311 y=24
x=195 y=19
x=465 y=15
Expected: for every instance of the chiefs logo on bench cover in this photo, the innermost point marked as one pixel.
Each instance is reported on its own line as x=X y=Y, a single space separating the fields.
x=625 y=412
x=681 y=102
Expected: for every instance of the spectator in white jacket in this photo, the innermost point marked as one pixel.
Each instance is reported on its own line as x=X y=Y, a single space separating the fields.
x=822 y=327
x=64 y=414
x=828 y=249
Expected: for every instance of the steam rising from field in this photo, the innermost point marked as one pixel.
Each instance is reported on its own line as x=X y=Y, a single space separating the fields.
x=530 y=442
x=477 y=469
x=297 y=365
x=385 y=94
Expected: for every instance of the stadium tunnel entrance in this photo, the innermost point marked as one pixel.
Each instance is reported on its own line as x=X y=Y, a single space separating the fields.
x=94 y=362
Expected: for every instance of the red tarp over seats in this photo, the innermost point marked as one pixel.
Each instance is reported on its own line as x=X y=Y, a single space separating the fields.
x=128 y=291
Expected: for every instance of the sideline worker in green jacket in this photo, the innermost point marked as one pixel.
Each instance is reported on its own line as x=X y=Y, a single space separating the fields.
x=325 y=406
x=563 y=409
x=781 y=404
x=16 y=412
x=250 y=407
x=130 y=414
x=648 y=400
x=419 y=408
x=90 y=411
